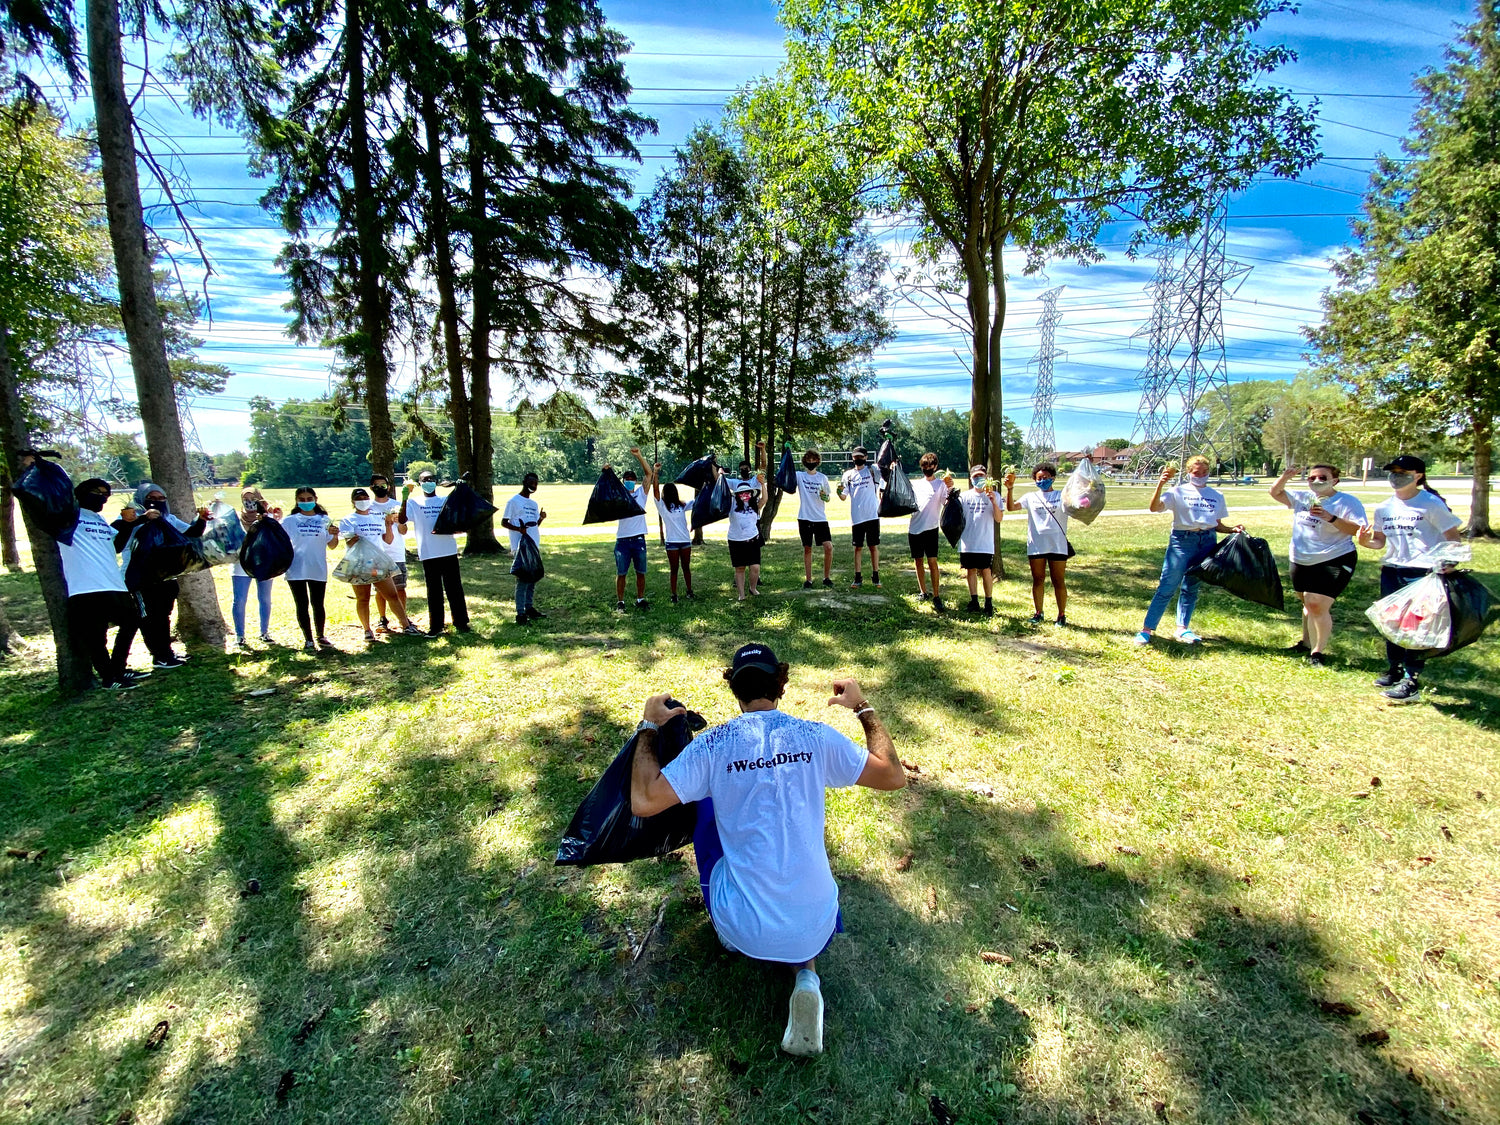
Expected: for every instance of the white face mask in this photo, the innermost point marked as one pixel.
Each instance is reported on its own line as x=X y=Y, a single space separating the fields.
x=361 y=505
x=1198 y=479
x=1323 y=487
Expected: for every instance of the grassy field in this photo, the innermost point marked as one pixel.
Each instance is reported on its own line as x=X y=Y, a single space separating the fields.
x=1221 y=886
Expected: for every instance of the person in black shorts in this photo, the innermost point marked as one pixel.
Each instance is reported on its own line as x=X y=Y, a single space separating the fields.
x=861 y=486
x=812 y=518
x=1324 y=523
x=930 y=492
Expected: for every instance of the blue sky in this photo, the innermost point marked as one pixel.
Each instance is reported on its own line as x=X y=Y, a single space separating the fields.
x=1357 y=58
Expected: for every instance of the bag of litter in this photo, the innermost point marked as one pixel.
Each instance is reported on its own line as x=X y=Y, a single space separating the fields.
x=233 y=536
x=953 y=521
x=604 y=830
x=786 y=472
x=885 y=457
x=527 y=566
x=365 y=563
x=158 y=551
x=1436 y=615
x=462 y=511
x=699 y=473
x=898 y=499
x=714 y=504
x=1083 y=495
x=45 y=491
x=609 y=501
x=266 y=551
x=1471 y=607
x=1246 y=567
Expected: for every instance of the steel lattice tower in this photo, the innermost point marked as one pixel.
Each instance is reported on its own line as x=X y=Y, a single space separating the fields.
x=1041 y=438
x=80 y=409
x=1152 y=420
x=200 y=465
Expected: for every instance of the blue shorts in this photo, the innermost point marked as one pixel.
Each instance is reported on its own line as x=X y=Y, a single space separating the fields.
x=708 y=849
x=631 y=550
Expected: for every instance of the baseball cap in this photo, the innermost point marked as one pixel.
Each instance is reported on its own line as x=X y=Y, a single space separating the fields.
x=753 y=656
x=1406 y=463
x=93 y=484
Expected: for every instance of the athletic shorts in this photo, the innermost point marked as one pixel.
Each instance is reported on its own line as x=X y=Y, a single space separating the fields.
x=1326 y=578
x=814 y=532
x=867 y=533
x=744 y=552
x=924 y=544
x=976 y=560
x=687 y=546
x=400 y=579
x=1050 y=555
x=630 y=550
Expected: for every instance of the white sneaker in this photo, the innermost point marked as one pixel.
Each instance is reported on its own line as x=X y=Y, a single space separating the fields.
x=804 y=1025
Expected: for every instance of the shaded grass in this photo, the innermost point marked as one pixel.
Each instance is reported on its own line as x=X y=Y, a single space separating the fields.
x=1176 y=857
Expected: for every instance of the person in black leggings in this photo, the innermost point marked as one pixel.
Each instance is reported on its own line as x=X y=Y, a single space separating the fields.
x=312 y=534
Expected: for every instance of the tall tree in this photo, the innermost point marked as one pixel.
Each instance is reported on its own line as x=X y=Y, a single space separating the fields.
x=1412 y=324
x=1003 y=124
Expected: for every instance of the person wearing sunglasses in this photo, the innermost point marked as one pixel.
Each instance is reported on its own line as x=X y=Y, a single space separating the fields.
x=1323 y=555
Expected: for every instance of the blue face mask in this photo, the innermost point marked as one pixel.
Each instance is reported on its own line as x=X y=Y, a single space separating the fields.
x=1045 y=484
x=306 y=505
x=429 y=486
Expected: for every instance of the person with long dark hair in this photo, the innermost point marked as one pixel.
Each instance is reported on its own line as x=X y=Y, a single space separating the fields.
x=674 y=512
x=313 y=535
x=1324 y=523
x=744 y=533
x=1406 y=527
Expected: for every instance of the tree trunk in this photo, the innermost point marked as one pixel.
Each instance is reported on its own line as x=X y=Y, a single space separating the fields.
x=372 y=319
x=1479 y=495
x=73 y=673
x=199 y=618
x=481 y=540
x=10 y=554
x=995 y=441
x=773 y=493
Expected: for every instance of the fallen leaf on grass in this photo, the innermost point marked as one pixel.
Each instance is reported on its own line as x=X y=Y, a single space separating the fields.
x=904 y=863
x=1100 y=866
x=1126 y=849
x=309 y=1025
x=981 y=789
x=1422 y=861
x=1040 y=947
x=1447 y=835
x=1434 y=954
x=284 y=1087
x=1028 y=861
x=1250 y=962
x=1160 y=1109
x=125 y=1117
x=990 y=957
x=158 y=1035
x=932 y=900
x=972 y=1009
x=1377 y=1038
x=1361 y=795
x=940 y=1111
x=1374 y=783
x=910 y=767
x=1337 y=1008
x=18 y=853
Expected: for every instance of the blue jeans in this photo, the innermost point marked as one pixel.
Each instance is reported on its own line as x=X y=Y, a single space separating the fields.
x=628 y=551
x=242 y=601
x=525 y=596
x=1185 y=550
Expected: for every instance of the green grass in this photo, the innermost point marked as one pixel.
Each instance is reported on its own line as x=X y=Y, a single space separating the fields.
x=1183 y=852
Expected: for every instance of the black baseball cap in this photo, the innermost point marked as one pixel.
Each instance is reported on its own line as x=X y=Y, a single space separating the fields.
x=93 y=484
x=754 y=656
x=859 y=449
x=1406 y=463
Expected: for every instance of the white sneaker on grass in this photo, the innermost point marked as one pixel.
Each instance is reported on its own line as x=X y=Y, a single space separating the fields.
x=804 y=1025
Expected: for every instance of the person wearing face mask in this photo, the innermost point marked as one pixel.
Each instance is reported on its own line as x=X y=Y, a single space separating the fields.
x=931 y=492
x=812 y=518
x=313 y=535
x=524 y=516
x=1324 y=523
x=1198 y=513
x=156 y=596
x=630 y=535
x=253 y=509
x=1411 y=523
x=976 y=547
x=362 y=523
x=383 y=502
x=97 y=597
x=677 y=538
x=744 y=532
x=861 y=486
x=1047 y=546
x=438 y=555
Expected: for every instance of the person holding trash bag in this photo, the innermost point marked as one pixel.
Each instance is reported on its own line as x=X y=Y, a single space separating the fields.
x=438 y=555
x=253 y=509
x=744 y=535
x=384 y=501
x=524 y=516
x=97 y=597
x=982 y=510
x=1047 y=546
x=931 y=493
x=861 y=485
x=813 y=491
x=1198 y=513
x=630 y=533
x=1323 y=555
x=157 y=596
x=676 y=534
x=379 y=531
x=759 y=782
x=313 y=535
x=1408 y=525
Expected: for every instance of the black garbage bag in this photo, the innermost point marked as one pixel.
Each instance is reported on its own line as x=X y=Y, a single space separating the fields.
x=954 y=520
x=266 y=551
x=885 y=457
x=898 y=499
x=1245 y=566
x=699 y=473
x=713 y=504
x=159 y=551
x=603 y=829
x=786 y=473
x=1472 y=607
x=463 y=510
x=46 y=492
x=527 y=566
x=609 y=501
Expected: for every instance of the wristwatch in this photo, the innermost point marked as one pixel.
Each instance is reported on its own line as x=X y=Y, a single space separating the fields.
x=646 y=724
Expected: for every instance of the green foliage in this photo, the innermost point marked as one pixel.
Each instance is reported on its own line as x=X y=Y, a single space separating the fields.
x=295 y=443
x=127 y=449
x=230 y=466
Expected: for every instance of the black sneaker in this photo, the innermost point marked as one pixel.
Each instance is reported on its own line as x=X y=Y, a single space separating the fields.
x=522 y=619
x=120 y=685
x=828 y=583
x=989 y=608
x=1062 y=619
x=642 y=603
x=1389 y=678
x=858 y=582
x=464 y=628
x=169 y=662
x=1293 y=650
x=383 y=625
x=924 y=596
x=1407 y=691
x=807 y=585
x=620 y=605
x=973 y=605
x=534 y=613
x=1317 y=660
x=414 y=630
x=674 y=599
x=691 y=596
x=937 y=605
x=135 y=676
x=875 y=579
x=1037 y=619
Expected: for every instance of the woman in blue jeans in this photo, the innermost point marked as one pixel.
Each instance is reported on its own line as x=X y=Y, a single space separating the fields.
x=1198 y=513
x=253 y=509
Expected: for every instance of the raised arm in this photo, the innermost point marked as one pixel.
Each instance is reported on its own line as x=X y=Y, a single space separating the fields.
x=656 y=481
x=1161 y=482
x=646 y=476
x=883 y=768
x=1278 y=490
x=760 y=493
x=1010 y=501
x=650 y=792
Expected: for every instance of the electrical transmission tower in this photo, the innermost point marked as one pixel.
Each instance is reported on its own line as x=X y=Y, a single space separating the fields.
x=200 y=465
x=1041 y=439
x=1185 y=405
x=81 y=407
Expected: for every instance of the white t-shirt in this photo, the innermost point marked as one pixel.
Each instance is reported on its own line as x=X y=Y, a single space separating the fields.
x=308 y=532
x=633 y=525
x=90 y=565
x=396 y=548
x=1046 y=523
x=523 y=510
x=862 y=490
x=367 y=525
x=810 y=490
x=979 y=522
x=675 y=521
x=744 y=524
x=1316 y=540
x=772 y=896
x=422 y=512
x=1194 y=508
x=1412 y=527
x=931 y=496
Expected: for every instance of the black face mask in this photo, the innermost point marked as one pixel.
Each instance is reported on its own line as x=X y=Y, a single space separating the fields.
x=380 y=489
x=929 y=473
x=156 y=505
x=859 y=462
x=93 y=501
